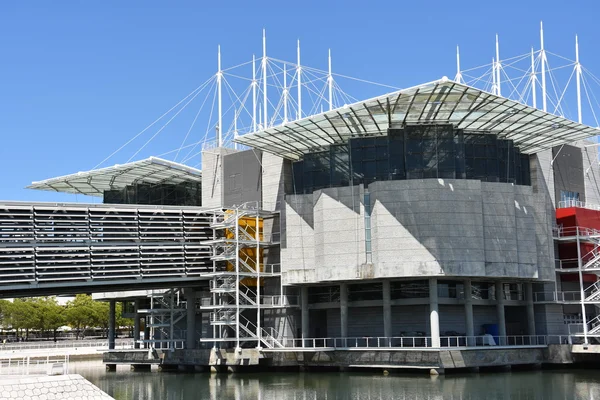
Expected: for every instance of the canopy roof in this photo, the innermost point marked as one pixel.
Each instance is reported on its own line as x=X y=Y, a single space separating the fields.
x=438 y=102
x=93 y=183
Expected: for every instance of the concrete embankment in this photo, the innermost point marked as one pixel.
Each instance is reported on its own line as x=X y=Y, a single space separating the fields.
x=439 y=360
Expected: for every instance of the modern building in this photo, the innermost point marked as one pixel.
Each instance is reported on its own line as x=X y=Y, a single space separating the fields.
x=427 y=217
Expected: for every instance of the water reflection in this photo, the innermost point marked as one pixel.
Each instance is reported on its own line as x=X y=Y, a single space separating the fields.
x=523 y=385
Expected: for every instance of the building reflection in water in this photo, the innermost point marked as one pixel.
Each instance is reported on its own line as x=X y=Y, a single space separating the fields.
x=521 y=385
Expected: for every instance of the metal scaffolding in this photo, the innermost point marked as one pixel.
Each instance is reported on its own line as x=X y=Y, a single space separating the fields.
x=588 y=295
x=239 y=274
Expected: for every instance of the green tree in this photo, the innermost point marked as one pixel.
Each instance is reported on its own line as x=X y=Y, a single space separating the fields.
x=22 y=315
x=50 y=315
x=81 y=313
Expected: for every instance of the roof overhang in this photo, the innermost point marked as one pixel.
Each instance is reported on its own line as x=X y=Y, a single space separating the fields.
x=438 y=102
x=93 y=183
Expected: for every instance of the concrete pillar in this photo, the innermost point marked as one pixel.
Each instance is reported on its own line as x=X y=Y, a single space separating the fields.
x=344 y=309
x=136 y=324
x=500 y=311
x=190 y=338
x=304 y=309
x=530 y=311
x=469 y=314
x=387 y=310
x=111 y=324
x=434 y=318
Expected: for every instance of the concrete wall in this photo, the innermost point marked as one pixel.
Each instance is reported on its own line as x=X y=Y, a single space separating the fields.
x=298 y=251
x=242 y=177
x=212 y=176
x=549 y=319
x=591 y=172
x=568 y=171
x=420 y=228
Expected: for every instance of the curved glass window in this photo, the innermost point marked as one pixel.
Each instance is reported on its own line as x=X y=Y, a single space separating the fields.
x=415 y=152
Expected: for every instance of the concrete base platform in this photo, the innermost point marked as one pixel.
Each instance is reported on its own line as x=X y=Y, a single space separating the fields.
x=418 y=359
x=410 y=359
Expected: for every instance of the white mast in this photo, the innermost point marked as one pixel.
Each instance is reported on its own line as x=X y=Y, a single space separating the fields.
x=299 y=84
x=494 y=86
x=264 y=68
x=458 y=77
x=543 y=55
x=578 y=71
x=219 y=76
x=498 y=66
x=533 y=79
x=254 y=83
x=235 y=132
x=285 y=95
x=330 y=81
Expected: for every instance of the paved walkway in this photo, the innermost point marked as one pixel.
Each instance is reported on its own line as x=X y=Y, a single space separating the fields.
x=50 y=388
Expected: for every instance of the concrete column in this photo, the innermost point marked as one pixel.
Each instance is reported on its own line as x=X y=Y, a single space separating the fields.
x=500 y=311
x=469 y=313
x=111 y=324
x=190 y=338
x=344 y=309
x=434 y=318
x=136 y=324
x=387 y=310
x=304 y=309
x=530 y=311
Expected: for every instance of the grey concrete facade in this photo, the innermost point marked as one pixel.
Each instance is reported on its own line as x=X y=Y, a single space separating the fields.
x=419 y=228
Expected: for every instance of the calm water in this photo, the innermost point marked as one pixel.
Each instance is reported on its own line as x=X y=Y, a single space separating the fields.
x=126 y=385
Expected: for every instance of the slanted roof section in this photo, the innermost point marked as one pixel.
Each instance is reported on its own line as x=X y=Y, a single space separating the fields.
x=93 y=183
x=438 y=102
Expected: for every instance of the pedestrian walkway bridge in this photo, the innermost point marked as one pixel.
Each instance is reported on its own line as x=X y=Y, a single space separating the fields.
x=66 y=248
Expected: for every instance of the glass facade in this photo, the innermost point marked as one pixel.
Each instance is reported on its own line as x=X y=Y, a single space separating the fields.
x=566 y=195
x=415 y=152
x=183 y=194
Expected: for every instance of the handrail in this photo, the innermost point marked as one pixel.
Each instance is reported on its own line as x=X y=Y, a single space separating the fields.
x=129 y=344
x=423 y=341
x=578 y=204
x=574 y=231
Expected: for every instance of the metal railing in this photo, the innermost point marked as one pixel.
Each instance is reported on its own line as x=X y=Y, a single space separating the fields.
x=573 y=231
x=39 y=366
x=166 y=344
x=422 y=342
x=549 y=296
x=579 y=204
x=103 y=344
x=277 y=300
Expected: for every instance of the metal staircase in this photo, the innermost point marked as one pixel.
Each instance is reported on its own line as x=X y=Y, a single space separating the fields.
x=166 y=310
x=239 y=274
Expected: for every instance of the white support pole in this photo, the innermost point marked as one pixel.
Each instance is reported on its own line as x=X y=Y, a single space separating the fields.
x=582 y=291
x=285 y=95
x=458 y=77
x=533 y=79
x=330 y=84
x=498 y=67
x=219 y=78
x=578 y=72
x=299 y=69
x=254 y=83
x=543 y=55
x=257 y=268
x=494 y=85
x=235 y=131
x=264 y=69
x=237 y=279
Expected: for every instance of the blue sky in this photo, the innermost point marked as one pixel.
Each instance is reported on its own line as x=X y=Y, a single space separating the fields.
x=79 y=78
